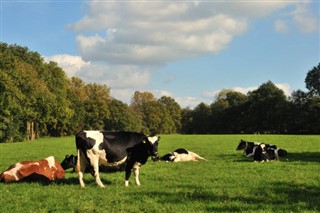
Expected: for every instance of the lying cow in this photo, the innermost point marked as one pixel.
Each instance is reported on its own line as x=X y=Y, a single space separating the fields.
x=112 y=149
x=70 y=161
x=46 y=169
x=260 y=151
x=181 y=155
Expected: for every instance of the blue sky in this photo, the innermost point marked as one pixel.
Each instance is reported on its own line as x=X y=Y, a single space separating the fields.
x=189 y=50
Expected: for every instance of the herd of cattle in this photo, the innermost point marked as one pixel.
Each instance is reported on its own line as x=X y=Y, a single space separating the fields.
x=108 y=151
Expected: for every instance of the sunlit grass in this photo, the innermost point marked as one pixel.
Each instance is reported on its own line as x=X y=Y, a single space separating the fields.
x=227 y=182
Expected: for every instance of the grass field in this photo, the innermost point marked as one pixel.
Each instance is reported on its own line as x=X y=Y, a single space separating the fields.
x=227 y=182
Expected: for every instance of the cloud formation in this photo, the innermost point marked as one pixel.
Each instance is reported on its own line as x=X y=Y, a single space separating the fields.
x=121 y=42
x=69 y=63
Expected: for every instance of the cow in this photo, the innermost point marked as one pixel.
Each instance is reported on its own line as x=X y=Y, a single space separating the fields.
x=70 y=161
x=260 y=151
x=111 y=148
x=181 y=155
x=40 y=170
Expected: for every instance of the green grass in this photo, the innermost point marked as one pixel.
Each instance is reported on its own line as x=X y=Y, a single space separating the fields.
x=227 y=182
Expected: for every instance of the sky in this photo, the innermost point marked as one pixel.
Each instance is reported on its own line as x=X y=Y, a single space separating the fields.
x=188 y=50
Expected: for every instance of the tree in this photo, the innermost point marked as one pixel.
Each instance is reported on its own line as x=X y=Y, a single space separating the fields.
x=10 y=108
x=156 y=118
x=200 y=119
x=138 y=102
x=174 y=110
x=228 y=112
x=313 y=80
x=77 y=95
x=266 y=107
x=186 y=121
x=122 y=118
x=96 y=105
x=140 y=98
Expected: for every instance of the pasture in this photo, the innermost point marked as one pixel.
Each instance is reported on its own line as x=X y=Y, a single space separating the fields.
x=227 y=182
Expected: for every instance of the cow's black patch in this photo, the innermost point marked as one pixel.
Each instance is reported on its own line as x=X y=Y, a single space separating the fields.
x=181 y=151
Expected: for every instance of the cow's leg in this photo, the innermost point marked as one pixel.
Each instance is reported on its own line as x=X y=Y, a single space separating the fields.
x=94 y=159
x=128 y=172
x=136 y=168
x=81 y=166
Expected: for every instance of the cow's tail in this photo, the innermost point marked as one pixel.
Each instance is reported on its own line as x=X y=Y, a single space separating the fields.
x=199 y=157
x=78 y=162
x=282 y=152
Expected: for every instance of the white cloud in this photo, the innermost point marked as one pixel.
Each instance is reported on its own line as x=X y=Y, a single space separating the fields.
x=188 y=101
x=281 y=26
x=285 y=88
x=154 y=33
x=69 y=63
x=124 y=40
x=116 y=76
x=306 y=21
x=160 y=93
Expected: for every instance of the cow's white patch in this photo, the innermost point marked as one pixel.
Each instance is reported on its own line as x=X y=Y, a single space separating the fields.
x=51 y=161
x=13 y=172
x=137 y=165
x=153 y=139
x=103 y=161
x=253 y=151
x=96 y=135
x=182 y=157
x=172 y=157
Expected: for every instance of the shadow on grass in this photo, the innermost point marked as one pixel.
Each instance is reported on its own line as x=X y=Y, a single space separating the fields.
x=303 y=156
x=276 y=196
x=291 y=157
x=235 y=157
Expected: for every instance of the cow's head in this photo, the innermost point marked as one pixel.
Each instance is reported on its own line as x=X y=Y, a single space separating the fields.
x=242 y=145
x=152 y=143
x=69 y=162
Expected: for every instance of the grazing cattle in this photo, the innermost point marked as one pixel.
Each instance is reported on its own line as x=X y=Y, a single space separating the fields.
x=70 y=161
x=181 y=155
x=112 y=149
x=260 y=151
x=46 y=169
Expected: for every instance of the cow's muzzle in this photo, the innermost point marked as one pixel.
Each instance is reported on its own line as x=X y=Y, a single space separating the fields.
x=156 y=157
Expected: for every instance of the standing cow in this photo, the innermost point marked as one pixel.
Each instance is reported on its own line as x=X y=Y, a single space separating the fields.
x=112 y=149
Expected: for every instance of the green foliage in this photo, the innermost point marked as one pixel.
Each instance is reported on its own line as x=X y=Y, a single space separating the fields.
x=267 y=105
x=227 y=182
x=174 y=111
x=122 y=118
x=38 y=99
x=313 y=80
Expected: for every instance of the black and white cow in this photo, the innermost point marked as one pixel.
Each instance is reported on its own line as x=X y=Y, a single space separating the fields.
x=261 y=151
x=70 y=161
x=181 y=155
x=112 y=149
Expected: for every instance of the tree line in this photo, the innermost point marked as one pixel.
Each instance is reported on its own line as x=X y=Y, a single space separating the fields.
x=37 y=99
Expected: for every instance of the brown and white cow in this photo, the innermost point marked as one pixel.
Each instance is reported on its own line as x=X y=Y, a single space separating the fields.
x=45 y=169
